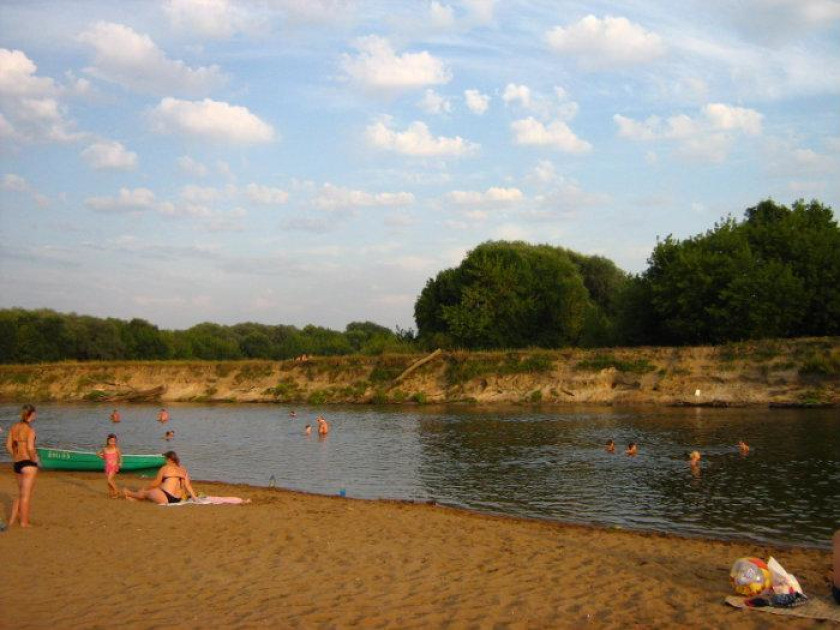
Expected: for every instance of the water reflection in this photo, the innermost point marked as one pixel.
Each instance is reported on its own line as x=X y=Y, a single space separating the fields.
x=537 y=463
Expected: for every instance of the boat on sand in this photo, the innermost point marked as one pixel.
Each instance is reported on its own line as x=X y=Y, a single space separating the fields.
x=64 y=459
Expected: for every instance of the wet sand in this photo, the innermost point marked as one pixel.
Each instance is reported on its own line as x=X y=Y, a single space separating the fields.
x=290 y=560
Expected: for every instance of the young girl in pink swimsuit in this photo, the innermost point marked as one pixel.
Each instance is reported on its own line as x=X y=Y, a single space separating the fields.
x=112 y=455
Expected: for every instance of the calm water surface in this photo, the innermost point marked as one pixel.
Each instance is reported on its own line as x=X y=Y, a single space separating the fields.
x=524 y=462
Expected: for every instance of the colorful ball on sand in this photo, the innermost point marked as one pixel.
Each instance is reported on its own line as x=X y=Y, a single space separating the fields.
x=750 y=576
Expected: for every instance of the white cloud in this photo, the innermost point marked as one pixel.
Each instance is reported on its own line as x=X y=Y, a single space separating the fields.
x=212 y=120
x=477 y=102
x=609 y=43
x=434 y=103
x=416 y=140
x=191 y=166
x=727 y=117
x=338 y=198
x=567 y=197
x=216 y=19
x=30 y=107
x=125 y=57
x=127 y=200
x=707 y=137
x=266 y=195
x=517 y=93
x=557 y=134
x=14 y=183
x=491 y=196
x=17 y=76
x=377 y=67
x=480 y=10
x=109 y=155
x=441 y=16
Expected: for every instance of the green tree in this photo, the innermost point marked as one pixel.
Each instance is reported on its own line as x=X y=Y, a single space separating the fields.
x=506 y=295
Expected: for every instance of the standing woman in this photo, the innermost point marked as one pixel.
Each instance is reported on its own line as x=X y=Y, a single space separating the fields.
x=20 y=442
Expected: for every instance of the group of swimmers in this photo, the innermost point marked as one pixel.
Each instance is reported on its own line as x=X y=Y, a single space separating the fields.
x=693 y=457
x=323 y=427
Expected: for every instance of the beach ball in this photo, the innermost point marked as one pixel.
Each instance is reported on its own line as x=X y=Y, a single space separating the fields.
x=750 y=576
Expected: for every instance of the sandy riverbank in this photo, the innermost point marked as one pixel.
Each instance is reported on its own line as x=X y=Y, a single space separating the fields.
x=291 y=560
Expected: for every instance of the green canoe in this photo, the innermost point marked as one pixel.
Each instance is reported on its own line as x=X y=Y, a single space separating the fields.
x=62 y=459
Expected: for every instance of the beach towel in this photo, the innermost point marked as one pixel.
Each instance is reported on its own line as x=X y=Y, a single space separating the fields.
x=814 y=608
x=211 y=501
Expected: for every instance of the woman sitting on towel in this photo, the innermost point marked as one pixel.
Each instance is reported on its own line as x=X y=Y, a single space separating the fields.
x=169 y=484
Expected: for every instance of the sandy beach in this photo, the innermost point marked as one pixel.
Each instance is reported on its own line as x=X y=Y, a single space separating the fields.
x=290 y=560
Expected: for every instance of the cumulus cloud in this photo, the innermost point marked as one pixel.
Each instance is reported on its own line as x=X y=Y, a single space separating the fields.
x=109 y=155
x=556 y=134
x=29 y=107
x=211 y=120
x=491 y=196
x=215 y=19
x=708 y=136
x=12 y=182
x=266 y=195
x=481 y=11
x=434 y=103
x=441 y=16
x=192 y=167
x=517 y=93
x=132 y=60
x=612 y=42
x=378 y=67
x=416 y=140
x=332 y=197
x=477 y=102
x=127 y=200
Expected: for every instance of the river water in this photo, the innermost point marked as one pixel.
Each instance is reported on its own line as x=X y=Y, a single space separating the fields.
x=522 y=461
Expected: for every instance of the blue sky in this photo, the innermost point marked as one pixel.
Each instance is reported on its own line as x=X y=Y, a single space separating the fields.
x=316 y=161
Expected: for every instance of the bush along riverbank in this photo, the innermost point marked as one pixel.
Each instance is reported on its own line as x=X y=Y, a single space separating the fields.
x=798 y=372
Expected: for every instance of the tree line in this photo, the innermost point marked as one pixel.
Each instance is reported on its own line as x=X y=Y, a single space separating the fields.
x=35 y=336
x=774 y=273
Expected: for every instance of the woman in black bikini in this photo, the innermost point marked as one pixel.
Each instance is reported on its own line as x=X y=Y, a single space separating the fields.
x=169 y=485
x=20 y=442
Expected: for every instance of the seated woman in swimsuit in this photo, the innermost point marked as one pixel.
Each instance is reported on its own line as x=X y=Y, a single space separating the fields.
x=172 y=479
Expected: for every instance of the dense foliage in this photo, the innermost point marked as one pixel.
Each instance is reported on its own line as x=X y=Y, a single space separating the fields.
x=43 y=335
x=512 y=294
x=774 y=274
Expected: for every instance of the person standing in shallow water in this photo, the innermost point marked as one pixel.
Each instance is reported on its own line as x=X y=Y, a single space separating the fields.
x=632 y=449
x=115 y=416
x=609 y=446
x=163 y=416
x=323 y=426
x=20 y=443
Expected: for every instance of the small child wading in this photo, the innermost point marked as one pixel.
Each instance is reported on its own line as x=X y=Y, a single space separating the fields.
x=112 y=455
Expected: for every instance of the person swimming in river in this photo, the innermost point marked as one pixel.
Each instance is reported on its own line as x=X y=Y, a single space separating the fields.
x=307 y=430
x=632 y=449
x=115 y=416
x=609 y=446
x=743 y=447
x=169 y=435
x=112 y=455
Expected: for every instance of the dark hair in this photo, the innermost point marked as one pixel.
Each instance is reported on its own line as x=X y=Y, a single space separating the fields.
x=610 y=442
x=26 y=412
x=173 y=456
x=111 y=435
